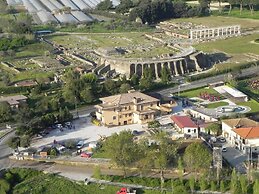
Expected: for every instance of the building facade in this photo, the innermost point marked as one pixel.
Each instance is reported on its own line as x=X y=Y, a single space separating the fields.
x=243 y=133
x=128 y=108
x=185 y=125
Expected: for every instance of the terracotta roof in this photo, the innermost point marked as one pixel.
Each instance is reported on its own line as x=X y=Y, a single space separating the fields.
x=183 y=121
x=127 y=98
x=248 y=133
x=241 y=123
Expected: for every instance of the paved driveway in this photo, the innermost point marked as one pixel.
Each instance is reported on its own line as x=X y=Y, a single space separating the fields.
x=235 y=158
x=84 y=130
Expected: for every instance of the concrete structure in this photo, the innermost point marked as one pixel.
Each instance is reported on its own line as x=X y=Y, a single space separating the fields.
x=243 y=133
x=188 y=60
x=188 y=30
x=185 y=125
x=13 y=101
x=232 y=93
x=128 y=108
x=199 y=115
x=211 y=33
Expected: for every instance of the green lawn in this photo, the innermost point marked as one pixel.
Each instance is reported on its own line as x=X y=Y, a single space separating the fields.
x=216 y=104
x=236 y=13
x=237 y=45
x=196 y=92
x=214 y=21
x=252 y=104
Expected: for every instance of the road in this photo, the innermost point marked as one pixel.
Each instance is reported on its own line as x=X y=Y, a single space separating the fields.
x=5 y=151
x=205 y=82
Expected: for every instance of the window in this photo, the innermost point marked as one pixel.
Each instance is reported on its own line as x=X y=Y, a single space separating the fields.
x=151 y=104
x=130 y=114
x=126 y=115
x=120 y=116
x=114 y=117
x=189 y=130
x=194 y=131
x=129 y=108
x=125 y=107
x=146 y=116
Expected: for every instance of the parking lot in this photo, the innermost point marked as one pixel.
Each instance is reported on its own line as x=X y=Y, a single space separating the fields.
x=82 y=129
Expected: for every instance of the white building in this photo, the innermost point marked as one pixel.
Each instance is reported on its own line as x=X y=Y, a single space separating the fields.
x=185 y=125
x=233 y=93
x=242 y=133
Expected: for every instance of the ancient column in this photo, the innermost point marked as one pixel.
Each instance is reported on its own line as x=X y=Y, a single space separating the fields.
x=181 y=66
x=175 y=69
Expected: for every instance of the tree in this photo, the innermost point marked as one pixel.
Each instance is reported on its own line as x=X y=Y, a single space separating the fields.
x=6 y=79
x=90 y=78
x=71 y=90
x=25 y=141
x=124 y=6
x=256 y=187
x=124 y=88
x=110 y=86
x=64 y=115
x=214 y=128
x=222 y=186
x=162 y=154
x=165 y=75
x=134 y=80
x=5 y=112
x=14 y=142
x=203 y=183
x=104 y=5
x=192 y=183
x=121 y=149
x=179 y=189
x=213 y=186
x=197 y=157
x=4 y=186
x=180 y=167
x=87 y=95
x=234 y=181
x=243 y=183
x=147 y=79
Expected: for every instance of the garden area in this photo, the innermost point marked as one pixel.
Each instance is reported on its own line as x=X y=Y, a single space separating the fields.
x=198 y=92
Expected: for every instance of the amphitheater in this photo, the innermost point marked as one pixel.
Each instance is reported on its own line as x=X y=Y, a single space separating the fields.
x=186 y=61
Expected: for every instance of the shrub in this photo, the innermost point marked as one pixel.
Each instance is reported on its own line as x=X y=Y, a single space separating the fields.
x=97 y=172
x=213 y=186
x=203 y=184
x=154 y=124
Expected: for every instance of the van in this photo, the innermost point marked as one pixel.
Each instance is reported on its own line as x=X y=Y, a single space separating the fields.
x=80 y=144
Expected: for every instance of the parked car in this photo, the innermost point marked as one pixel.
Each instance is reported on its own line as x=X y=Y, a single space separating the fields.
x=80 y=144
x=224 y=149
x=135 y=132
x=222 y=139
x=86 y=154
x=213 y=139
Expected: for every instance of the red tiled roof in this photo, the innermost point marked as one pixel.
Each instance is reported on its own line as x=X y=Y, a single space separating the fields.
x=183 y=121
x=248 y=132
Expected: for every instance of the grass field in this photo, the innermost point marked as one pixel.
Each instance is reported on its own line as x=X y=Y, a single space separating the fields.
x=216 y=104
x=196 y=92
x=237 y=45
x=213 y=21
x=137 y=43
x=252 y=104
x=236 y=13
